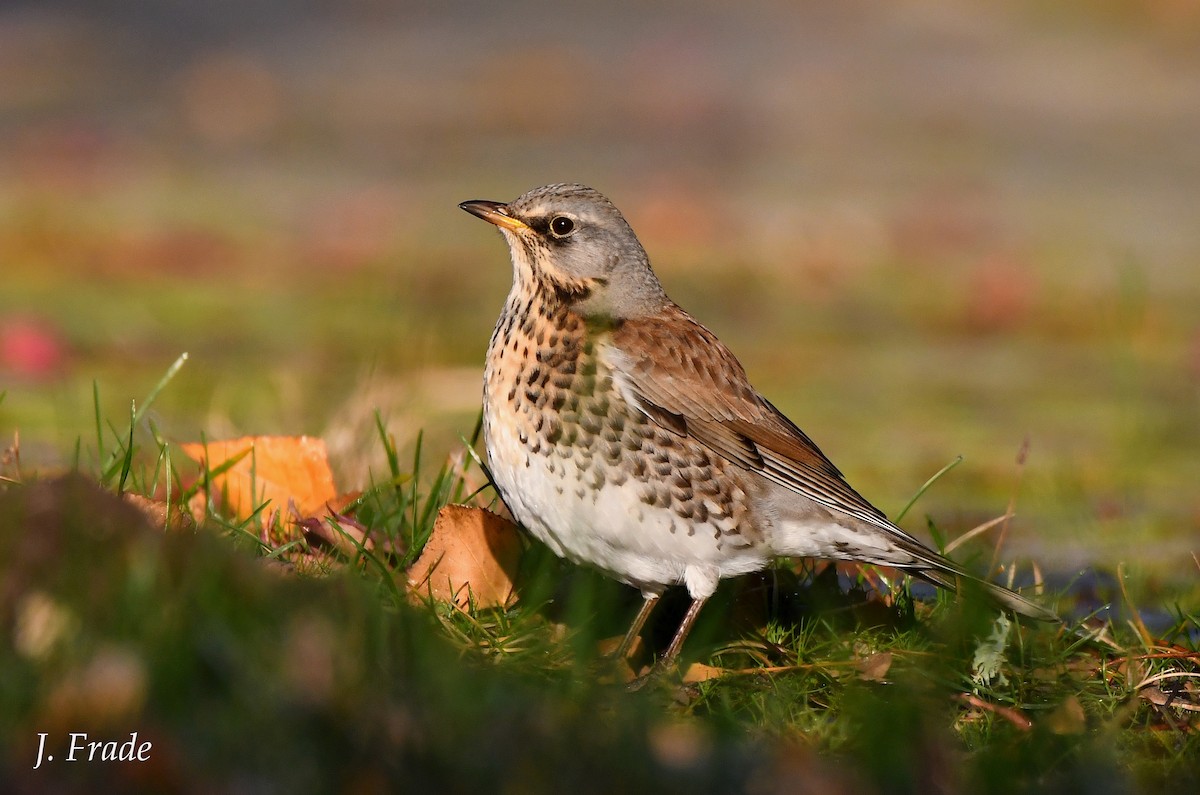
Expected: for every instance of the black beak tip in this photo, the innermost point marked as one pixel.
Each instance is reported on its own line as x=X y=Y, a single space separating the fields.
x=481 y=207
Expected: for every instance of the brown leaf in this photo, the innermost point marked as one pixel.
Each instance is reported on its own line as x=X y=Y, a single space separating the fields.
x=608 y=646
x=622 y=672
x=1154 y=695
x=874 y=667
x=471 y=557
x=278 y=468
x=699 y=672
x=347 y=536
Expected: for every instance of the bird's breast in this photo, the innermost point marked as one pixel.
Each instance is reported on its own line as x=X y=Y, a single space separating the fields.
x=590 y=474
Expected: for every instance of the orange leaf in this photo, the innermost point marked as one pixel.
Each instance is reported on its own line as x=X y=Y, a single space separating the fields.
x=699 y=672
x=278 y=468
x=607 y=646
x=472 y=555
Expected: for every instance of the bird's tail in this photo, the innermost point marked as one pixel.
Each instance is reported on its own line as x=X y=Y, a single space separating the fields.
x=947 y=575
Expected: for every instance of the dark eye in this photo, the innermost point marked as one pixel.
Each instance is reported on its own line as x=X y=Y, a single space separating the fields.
x=561 y=226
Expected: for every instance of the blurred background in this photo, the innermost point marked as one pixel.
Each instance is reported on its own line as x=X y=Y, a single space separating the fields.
x=928 y=229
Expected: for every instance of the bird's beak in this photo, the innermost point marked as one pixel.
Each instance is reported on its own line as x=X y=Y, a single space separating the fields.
x=494 y=213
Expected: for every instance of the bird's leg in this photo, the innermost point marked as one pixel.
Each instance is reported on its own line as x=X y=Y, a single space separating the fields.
x=635 y=629
x=667 y=661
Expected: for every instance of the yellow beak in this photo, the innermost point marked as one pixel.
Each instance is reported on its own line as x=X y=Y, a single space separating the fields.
x=494 y=213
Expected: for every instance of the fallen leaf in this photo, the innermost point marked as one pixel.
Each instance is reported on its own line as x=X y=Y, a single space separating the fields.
x=471 y=558
x=608 y=646
x=277 y=468
x=874 y=667
x=348 y=535
x=699 y=672
x=621 y=672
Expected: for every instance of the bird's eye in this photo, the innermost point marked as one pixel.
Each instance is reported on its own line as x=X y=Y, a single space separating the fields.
x=561 y=226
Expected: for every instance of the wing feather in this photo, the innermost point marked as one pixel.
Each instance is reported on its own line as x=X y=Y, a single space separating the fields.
x=700 y=390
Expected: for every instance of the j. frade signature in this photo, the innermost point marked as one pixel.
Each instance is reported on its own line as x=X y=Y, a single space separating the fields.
x=81 y=749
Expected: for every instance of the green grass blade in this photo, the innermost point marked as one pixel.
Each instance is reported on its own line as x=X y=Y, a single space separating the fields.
x=935 y=533
x=389 y=446
x=127 y=459
x=416 y=479
x=162 y=383
x=208 y=474
x=110 y=467
x=957 y=460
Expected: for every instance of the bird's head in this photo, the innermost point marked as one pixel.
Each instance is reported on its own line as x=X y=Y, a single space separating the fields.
x=574 y=243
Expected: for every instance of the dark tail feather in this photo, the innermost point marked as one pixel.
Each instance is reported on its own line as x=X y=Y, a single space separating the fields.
x=1011 y=600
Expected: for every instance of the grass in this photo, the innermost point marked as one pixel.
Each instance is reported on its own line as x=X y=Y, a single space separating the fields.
x=246 y=678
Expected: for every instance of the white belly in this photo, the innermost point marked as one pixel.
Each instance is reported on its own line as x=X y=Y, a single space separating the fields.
x=608 y=527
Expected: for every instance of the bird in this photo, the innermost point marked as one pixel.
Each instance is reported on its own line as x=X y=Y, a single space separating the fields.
x=626 y=436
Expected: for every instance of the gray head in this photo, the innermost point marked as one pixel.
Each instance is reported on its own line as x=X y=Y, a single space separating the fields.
x=572 y=241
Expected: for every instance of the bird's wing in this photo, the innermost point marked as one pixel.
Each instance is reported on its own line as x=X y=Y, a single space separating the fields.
x=682 y=377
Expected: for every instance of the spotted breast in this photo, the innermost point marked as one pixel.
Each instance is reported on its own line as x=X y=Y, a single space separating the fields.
x=564 y=446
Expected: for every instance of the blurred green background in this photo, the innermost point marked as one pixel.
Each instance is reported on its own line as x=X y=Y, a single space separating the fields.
x=927 y=229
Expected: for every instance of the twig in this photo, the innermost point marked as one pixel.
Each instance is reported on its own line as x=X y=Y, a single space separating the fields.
x=1165 y=655
x=1160 y=698
x=1166 y=675
x=983 y=528
x=1013 y=716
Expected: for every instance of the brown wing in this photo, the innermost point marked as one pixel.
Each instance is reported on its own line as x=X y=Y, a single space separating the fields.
x=680 y=375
